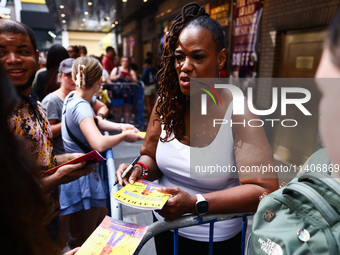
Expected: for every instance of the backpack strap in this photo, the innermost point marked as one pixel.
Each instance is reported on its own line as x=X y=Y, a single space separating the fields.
x=326 y=210
x=323 y=178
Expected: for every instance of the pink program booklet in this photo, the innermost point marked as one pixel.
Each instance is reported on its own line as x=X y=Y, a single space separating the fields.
x=91 y=157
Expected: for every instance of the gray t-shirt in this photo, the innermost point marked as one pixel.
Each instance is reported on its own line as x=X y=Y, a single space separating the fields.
x=54 y=107
x=76 y=109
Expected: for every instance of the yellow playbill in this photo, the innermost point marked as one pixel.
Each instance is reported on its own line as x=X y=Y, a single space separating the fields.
x=143 y=134
x=113 y=237
x=142 y=194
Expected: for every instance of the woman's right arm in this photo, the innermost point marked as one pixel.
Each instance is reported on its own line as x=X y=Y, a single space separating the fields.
x=100 y=142
x=148 y=154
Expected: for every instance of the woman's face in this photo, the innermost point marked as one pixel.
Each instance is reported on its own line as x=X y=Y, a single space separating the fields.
x=196 y=56
x=329 y=106
x=124 y=62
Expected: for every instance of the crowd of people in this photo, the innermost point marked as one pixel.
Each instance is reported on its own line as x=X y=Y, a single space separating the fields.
x=116 y=73
x=65 y=121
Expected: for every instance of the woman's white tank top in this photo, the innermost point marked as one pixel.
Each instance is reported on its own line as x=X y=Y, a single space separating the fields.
x=173 y=160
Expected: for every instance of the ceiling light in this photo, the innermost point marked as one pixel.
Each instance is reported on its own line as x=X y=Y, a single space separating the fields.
x=62 y=15
x=89 y=3
x=61 y=6
x=124 y=1
x=51 y=34
x=145 y=1
x=116 y=22
x=64 y=21
x=86 y=12
x=113 y=25
x=83 y=19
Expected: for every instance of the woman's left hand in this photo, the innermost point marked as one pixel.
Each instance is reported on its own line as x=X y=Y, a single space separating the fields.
x=178 y=204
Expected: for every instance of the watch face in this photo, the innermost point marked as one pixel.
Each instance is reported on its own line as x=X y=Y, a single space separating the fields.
x=202 y=207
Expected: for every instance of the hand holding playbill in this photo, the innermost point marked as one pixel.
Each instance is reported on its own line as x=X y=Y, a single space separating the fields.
x=91 y=157
x=142 y=194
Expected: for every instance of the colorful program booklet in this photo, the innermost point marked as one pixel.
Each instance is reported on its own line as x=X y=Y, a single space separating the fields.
x=113 y=237
x=142 y=194
x=91 y=157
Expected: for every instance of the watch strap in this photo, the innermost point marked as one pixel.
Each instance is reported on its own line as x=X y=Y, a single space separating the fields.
x=200 y=198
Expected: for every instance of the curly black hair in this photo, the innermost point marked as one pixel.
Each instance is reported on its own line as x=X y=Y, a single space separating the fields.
x=170 y=106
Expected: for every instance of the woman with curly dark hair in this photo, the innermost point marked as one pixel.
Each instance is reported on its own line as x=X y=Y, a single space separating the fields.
x=194 y=48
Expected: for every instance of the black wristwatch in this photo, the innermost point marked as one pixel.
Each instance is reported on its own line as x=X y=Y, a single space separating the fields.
x=202 y=205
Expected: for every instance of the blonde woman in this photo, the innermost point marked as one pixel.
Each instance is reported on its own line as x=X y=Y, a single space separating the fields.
x=81 y=132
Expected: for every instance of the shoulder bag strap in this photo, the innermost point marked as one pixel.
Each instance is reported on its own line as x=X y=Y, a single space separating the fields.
x=74 y=138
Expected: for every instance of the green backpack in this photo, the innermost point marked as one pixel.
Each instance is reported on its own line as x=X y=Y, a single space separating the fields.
x=302 y=217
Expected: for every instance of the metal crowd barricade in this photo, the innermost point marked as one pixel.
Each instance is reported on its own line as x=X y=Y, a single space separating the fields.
x=138 y=98
x=191 y=220
x=108 y=171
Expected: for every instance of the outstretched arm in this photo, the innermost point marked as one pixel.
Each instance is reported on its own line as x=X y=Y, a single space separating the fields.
x=102 y=143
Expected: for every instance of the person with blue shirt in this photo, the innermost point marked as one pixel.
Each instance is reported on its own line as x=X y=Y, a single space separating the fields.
x=81 y=132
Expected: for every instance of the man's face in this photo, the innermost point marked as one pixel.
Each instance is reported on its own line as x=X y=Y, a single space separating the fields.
x=18 y=58
x=111 y=53
x=72 y=53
